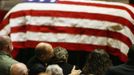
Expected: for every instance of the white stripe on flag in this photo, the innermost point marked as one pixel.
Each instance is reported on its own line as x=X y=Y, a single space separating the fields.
x=5 y=30
x=18 y=37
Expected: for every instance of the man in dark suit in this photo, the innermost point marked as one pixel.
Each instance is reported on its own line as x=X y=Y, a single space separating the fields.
x=126 y=68
x=131 y=1
x=38 y=63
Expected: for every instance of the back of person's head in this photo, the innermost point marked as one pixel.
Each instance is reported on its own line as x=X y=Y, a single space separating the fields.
x=131 y=52
x=97 y=63
x=54 y=70
x=44 y=51
x=43 y=73
x=5 y=43
x=60 y=54
x=19 y=69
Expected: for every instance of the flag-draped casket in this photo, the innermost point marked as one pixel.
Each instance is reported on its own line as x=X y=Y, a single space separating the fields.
x=75 y=25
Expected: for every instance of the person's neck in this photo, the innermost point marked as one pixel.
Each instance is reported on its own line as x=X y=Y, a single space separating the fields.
x=6 y=52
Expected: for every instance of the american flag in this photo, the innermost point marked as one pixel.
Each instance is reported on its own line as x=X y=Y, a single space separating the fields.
x=75 y=25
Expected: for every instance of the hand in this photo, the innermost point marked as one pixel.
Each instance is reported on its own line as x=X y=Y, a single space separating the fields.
x=75 y=72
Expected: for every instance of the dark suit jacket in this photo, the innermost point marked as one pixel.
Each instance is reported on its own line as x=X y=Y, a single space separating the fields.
x=35 y=66
x=65 y=67
x=124 y=69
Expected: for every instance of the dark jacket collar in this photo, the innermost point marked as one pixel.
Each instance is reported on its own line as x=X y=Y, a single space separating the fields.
x=130 y=62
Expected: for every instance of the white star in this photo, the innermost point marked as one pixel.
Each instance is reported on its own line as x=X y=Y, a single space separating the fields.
x=52 y=0
x=30 y=0
x=42 y=0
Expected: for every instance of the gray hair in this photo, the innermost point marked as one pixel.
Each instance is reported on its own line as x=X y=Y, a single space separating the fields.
x=54 y=70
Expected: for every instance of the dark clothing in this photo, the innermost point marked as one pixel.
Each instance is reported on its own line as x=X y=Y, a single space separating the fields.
x=124 y=69
x=65 y=67
x=35 y=66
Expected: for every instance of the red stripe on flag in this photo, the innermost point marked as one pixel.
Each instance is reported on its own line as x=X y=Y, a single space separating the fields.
x=17 y=44
x=4 y=23
x=19 y=29
x=74 y=47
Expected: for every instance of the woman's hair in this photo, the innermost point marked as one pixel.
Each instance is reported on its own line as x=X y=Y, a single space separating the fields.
x=60 y=54
x=97 y=63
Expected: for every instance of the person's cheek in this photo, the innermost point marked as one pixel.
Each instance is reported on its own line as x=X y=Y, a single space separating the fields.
x=11 y=47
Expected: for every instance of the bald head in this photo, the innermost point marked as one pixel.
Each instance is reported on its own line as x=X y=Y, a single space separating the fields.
x=19 y=69
x=44 y=47
x=44 y=51
x=43 y=73
x=5 y=43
